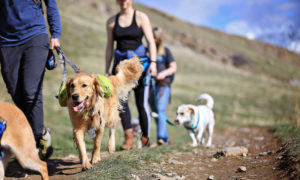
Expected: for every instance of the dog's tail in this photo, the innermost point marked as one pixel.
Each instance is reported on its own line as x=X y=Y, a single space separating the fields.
x=208 y=98
x=128 y=74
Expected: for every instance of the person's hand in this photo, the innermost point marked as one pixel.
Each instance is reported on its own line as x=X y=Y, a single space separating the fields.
x=54 y=43
x=161 y=76
x=152 y=69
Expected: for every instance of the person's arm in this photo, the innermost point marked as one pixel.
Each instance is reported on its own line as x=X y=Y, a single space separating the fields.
x=172 y=66
x=109 y=44
x=53 y=19
x=167 y=72
x=147 y=29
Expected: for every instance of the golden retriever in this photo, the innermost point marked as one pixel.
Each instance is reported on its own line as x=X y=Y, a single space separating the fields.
x=18 y=139
x=89 y=110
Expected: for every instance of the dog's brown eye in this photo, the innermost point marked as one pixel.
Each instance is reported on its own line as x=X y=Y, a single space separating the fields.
x=181 y=114
x=84 y=85
x=72 y=86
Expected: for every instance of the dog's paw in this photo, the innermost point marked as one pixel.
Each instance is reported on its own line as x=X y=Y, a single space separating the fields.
x=111 y=150
x=96 y=159
x=208 y=145
x=194 y=145
x=86 y=165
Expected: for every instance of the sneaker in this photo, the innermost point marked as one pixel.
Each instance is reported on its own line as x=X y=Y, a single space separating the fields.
x=161 y=142
x=45 y=148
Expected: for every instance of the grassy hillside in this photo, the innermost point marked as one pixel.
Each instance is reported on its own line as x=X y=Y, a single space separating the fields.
x=258 y=95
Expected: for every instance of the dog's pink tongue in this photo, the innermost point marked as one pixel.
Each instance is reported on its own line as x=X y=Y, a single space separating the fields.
x=78 y=107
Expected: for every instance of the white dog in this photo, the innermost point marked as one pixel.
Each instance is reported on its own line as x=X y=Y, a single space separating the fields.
x=197 y=118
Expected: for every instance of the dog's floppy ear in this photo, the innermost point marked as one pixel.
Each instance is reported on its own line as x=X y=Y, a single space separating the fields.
x=192 y=110
x=68 y=84
x=97 y=87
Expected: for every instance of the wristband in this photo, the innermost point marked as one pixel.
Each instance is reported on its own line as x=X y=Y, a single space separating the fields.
x=152 y=61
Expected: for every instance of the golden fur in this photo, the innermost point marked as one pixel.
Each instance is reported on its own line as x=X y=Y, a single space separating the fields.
x=89 y=109
x=18 y=139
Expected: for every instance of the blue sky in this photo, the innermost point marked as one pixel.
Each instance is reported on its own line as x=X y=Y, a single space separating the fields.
x=273 y=21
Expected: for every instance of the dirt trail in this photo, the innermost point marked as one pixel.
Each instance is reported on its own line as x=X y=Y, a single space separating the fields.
x=198 y=164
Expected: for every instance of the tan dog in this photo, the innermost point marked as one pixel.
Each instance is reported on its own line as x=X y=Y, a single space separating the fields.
x=18 y=139
x=89 y=110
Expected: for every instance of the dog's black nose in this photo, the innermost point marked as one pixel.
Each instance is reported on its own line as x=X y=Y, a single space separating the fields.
x=75 y=97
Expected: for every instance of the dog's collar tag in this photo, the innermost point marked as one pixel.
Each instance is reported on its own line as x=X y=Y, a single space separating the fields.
x=92 y=133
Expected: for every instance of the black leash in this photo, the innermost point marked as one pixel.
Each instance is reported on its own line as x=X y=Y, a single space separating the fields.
x=62 y=61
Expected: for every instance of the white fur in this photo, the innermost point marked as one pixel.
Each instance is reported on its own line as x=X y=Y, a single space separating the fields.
x=189 y=113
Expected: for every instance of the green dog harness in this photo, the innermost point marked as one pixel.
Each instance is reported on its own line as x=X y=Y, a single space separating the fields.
x=105 y=85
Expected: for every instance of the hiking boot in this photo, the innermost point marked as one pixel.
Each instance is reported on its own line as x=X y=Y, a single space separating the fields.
x=129 y=140
x=45 y=148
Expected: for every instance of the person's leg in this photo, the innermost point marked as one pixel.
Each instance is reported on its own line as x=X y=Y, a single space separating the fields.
x=23 y=69
x=10 y=59
x=162 y=94
x=127 y=127
x=32 y=70
x=125 y=116
x=141 y=99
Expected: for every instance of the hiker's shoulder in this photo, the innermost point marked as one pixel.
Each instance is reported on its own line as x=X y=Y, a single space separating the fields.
x=141 y=15
x=111 y=21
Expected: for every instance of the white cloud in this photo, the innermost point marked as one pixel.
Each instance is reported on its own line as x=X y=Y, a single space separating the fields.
x=250 y=36
x=295 y=46
x=241 y=28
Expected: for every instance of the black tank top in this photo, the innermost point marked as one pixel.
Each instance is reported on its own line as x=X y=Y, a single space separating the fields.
x=128 y=38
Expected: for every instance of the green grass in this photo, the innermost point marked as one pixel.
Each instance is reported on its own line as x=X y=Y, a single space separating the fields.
x=122 y=165
x=260 y=98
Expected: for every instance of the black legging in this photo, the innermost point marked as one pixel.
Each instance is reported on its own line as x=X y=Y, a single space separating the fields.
x=142 y=106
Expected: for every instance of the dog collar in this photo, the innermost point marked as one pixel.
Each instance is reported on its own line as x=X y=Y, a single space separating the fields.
x=189 y=125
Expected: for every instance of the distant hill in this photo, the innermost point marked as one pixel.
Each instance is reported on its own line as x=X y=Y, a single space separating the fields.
x=240 y=52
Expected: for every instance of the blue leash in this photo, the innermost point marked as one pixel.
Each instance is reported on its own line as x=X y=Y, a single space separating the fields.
x=145 y=61
x=2 y=129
